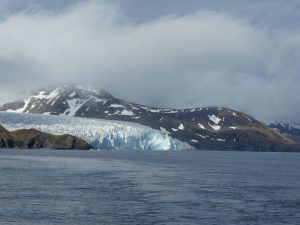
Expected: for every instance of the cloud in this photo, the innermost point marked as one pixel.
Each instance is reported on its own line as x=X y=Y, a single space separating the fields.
x=199 y=59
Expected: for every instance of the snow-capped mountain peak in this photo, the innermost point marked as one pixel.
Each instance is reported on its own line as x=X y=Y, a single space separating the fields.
x=203 y=128
x=65 y=100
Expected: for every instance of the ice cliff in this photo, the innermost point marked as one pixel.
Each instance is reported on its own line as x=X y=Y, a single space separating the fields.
x=101 y=134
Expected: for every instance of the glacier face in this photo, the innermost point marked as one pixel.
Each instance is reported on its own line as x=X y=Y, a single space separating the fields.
x=101 y=134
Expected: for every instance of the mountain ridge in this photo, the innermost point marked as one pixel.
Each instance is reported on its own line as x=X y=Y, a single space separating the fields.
x=288 y=129
x=209 y=128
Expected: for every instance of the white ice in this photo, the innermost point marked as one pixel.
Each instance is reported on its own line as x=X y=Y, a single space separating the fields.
x=101 y=134
x=214 y=119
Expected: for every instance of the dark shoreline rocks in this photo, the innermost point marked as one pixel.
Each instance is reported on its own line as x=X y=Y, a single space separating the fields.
x=34 y=139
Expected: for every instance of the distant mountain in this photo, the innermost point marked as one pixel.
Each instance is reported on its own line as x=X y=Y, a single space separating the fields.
x=31 y=138
x=208 y=128
x=290 y=130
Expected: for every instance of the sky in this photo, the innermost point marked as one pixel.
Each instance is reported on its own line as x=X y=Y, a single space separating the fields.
x=239 y=54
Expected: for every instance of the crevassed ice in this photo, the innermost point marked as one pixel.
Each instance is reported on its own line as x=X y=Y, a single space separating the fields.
x=101 y=134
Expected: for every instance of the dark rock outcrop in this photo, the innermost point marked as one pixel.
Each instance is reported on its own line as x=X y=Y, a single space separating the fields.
x=31 y=138
x=6 y=139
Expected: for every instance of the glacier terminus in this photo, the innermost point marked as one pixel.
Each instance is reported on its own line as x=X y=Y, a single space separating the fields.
x=101 y=134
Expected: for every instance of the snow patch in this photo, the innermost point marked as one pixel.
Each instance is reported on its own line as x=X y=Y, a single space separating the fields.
x=201 y=136
x=214 y=127
x=201 y=126
x=115 y=113
x=72 y=95
x=214 y=119
x=127 y=113
x=21 y=110
x=181 y=127
x=53 y=94
x=172 y=111
x=74 y=105
x=222 y=140
x=154 y=110
x=144 y=107
x=116 y=106
x=32 y=106
x=151 y=109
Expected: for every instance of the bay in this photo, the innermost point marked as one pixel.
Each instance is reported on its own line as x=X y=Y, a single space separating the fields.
x=130 y=187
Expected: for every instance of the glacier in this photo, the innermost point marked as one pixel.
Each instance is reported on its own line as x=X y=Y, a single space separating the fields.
x=101 y=134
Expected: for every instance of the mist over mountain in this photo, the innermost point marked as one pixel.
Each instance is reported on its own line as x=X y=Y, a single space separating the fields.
x=172 y=54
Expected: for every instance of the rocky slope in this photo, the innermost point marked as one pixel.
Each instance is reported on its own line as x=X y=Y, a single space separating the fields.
x=204 y=128
x=290 y=130
x=31 y=138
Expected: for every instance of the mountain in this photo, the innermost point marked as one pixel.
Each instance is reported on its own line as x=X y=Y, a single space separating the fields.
x=209 y=128
x=290 y=130
x=100 y=134
x=31 y=138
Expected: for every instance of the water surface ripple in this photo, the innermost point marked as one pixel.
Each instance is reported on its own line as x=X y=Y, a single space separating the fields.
x=178 y=188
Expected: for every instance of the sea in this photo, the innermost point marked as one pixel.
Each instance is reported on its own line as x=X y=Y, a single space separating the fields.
x=43 y=187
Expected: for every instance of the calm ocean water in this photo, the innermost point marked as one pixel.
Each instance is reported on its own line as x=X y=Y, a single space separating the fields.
x=181 y=188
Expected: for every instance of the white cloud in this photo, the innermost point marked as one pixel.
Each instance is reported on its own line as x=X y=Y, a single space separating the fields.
x=200 y=59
